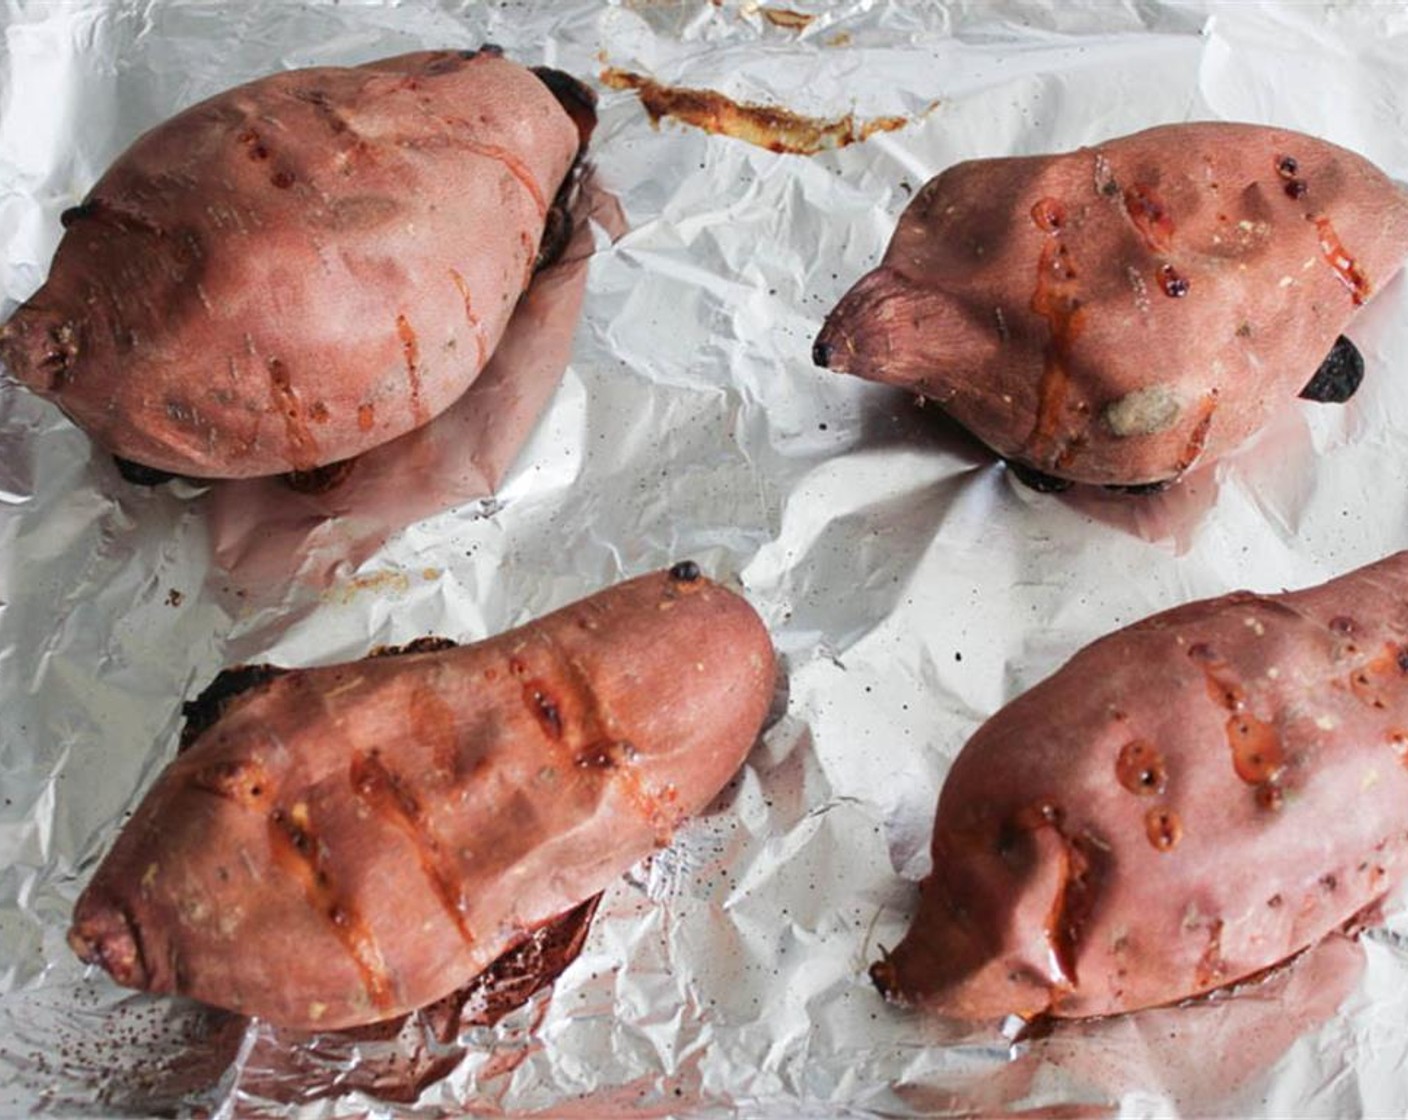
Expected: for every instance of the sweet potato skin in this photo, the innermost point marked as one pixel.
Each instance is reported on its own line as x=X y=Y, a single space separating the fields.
x=1185 y=803
x=345 y=844
x=1119 y=313
x=301 y=268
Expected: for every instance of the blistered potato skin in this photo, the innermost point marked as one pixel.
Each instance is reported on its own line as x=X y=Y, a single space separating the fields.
x=1120 y=313
x=1185 y=803
x=301 y=268
x=347 y=843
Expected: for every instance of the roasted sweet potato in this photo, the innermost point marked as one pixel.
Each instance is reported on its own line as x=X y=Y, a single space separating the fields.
x=1184 y=804
x=1119 y=313
x=304 y=267
x=343 y=844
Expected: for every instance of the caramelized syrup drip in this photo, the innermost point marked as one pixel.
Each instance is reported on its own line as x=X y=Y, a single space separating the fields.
x=296 y=851
x=1163 y=828
x=410 y=347
x=1211 y=968
x=1389 y=669
x=1198 y=438
x=591 y=746
x=390 y=796
x=1076 y=892
x=1336 y=256
x=1056 y=301
x=1258 y=755
x=302 y=446
x=481 y=342
x=1140 y=768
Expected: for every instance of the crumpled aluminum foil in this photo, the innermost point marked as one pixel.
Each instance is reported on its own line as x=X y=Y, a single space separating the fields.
x=911 y=585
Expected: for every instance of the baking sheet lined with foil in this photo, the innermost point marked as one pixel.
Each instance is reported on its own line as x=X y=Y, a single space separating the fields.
x=911 y=585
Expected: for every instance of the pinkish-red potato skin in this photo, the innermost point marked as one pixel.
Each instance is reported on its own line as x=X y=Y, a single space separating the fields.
x=1076 y=875
x=301 y=268
x=348 y=843
x=1035 y=298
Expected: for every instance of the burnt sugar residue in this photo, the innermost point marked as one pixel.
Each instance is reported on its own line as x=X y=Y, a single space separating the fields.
x=1338 y=258
x=766 y=126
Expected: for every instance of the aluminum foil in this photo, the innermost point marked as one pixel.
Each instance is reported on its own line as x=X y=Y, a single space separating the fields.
x=912 y=586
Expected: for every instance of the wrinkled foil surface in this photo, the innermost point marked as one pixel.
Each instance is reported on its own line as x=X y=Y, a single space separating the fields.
x=911 y=584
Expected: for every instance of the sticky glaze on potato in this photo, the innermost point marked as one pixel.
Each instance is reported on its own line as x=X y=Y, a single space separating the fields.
x=1119 y=313
x=1185 y=803
x=344 y=844
x=301 y=268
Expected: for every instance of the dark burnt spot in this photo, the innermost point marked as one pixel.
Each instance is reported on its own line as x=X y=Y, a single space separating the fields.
x=1140 y=488
x=1035 y=479
x=320 y=480
x=282 y=179
x=139 y=474
x=207 y=708
x=1287 y=167
x=686 y=571
x=1296 y=188
x=85 y=209
x=1275 y=901
x=429 y=643
x=557 y=230
x=258 y=152
x=1401 y=660
x=1329 y=883
x=1338 y=376
x=577 y=100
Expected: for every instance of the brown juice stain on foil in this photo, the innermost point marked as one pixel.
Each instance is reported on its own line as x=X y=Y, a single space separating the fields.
x=766 y=126
x=388 y=581
x=395 y=1060
x=785 y=17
